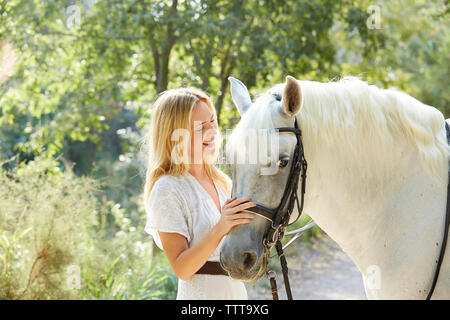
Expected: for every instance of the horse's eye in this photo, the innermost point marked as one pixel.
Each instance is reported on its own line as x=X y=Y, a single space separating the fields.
x=282 y=163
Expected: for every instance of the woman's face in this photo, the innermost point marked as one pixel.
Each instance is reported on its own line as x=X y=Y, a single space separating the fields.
x=203 y=134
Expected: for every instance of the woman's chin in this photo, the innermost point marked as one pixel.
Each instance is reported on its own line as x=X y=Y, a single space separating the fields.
x=209 y=155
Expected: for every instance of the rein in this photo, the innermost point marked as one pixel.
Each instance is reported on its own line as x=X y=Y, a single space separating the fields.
x=446 y=225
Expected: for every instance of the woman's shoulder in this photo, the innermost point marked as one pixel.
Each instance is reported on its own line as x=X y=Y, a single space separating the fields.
x=169 y=180
x=166 y=180
x=168 y=188
x=168 y=184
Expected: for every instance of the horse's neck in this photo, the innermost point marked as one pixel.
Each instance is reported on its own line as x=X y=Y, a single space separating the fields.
x=375 y=206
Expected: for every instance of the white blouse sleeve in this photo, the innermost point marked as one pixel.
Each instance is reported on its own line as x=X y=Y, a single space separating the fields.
x=165 y=212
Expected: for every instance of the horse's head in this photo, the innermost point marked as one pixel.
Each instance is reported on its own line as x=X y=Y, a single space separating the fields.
x=260 y=162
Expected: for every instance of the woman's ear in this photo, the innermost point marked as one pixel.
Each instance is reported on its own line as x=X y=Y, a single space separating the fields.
x=292 y=96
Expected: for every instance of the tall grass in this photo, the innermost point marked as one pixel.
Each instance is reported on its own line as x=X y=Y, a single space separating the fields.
x=60 y=238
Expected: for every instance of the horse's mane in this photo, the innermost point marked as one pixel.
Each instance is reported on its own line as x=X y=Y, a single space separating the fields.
x=352 y=113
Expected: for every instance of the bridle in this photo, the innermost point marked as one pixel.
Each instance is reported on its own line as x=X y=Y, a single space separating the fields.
x=279 y=217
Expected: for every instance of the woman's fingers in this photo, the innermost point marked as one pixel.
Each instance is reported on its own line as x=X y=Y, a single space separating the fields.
x=243 y=215
x=227 y=203
x=235 y=201
x=233 y=208
x=238 y=201
x=230 y=199
x=241 y=221
x=240 y=207
x=232 y=214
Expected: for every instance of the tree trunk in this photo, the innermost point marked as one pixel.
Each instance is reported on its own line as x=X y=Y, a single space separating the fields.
x=162 y=79
x=225 y=70
x=161 y=56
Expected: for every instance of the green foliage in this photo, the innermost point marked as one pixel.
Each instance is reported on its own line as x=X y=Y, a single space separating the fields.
x=82 y=64
x=51 y=221
x=43 y=220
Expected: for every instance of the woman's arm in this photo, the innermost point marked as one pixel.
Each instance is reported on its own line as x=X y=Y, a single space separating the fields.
x=185 y=260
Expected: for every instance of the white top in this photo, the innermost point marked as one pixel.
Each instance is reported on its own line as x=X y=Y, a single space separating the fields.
x=181 y=205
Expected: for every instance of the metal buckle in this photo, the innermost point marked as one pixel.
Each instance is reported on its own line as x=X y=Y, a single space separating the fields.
x=268 y=243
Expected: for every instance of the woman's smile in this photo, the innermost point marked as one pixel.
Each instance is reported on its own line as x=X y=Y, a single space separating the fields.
x=209 y=144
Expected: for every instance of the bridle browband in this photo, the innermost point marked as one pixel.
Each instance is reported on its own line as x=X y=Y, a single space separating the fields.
x=280 y=216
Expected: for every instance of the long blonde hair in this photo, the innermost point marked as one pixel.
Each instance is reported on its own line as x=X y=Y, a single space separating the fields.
x=173 y=110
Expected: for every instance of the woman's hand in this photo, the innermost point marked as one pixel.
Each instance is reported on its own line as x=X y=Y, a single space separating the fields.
x=186 y=260
x=231 y=214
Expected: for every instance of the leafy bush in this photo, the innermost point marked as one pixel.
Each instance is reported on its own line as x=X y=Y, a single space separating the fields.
x=58 y=240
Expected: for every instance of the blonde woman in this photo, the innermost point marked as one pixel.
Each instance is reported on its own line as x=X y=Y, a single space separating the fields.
x=187 y=198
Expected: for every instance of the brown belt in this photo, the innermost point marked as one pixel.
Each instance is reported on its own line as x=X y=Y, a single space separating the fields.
x=212 y=267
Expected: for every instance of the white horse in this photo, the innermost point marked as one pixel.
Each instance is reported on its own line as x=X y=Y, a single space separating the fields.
x=377 y=180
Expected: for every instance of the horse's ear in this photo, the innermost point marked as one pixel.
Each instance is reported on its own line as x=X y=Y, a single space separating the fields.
x=240 y=95
x=292 y=96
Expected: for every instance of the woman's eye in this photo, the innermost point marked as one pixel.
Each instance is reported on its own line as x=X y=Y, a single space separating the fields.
x=282 y=163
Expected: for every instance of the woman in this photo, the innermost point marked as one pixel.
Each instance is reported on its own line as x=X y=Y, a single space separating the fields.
x=188 y=213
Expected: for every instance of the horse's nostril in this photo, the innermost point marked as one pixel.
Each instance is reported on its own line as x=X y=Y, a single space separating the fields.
x=249 y=259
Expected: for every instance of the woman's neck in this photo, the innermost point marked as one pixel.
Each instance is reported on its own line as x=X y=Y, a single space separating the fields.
x=197 y=170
